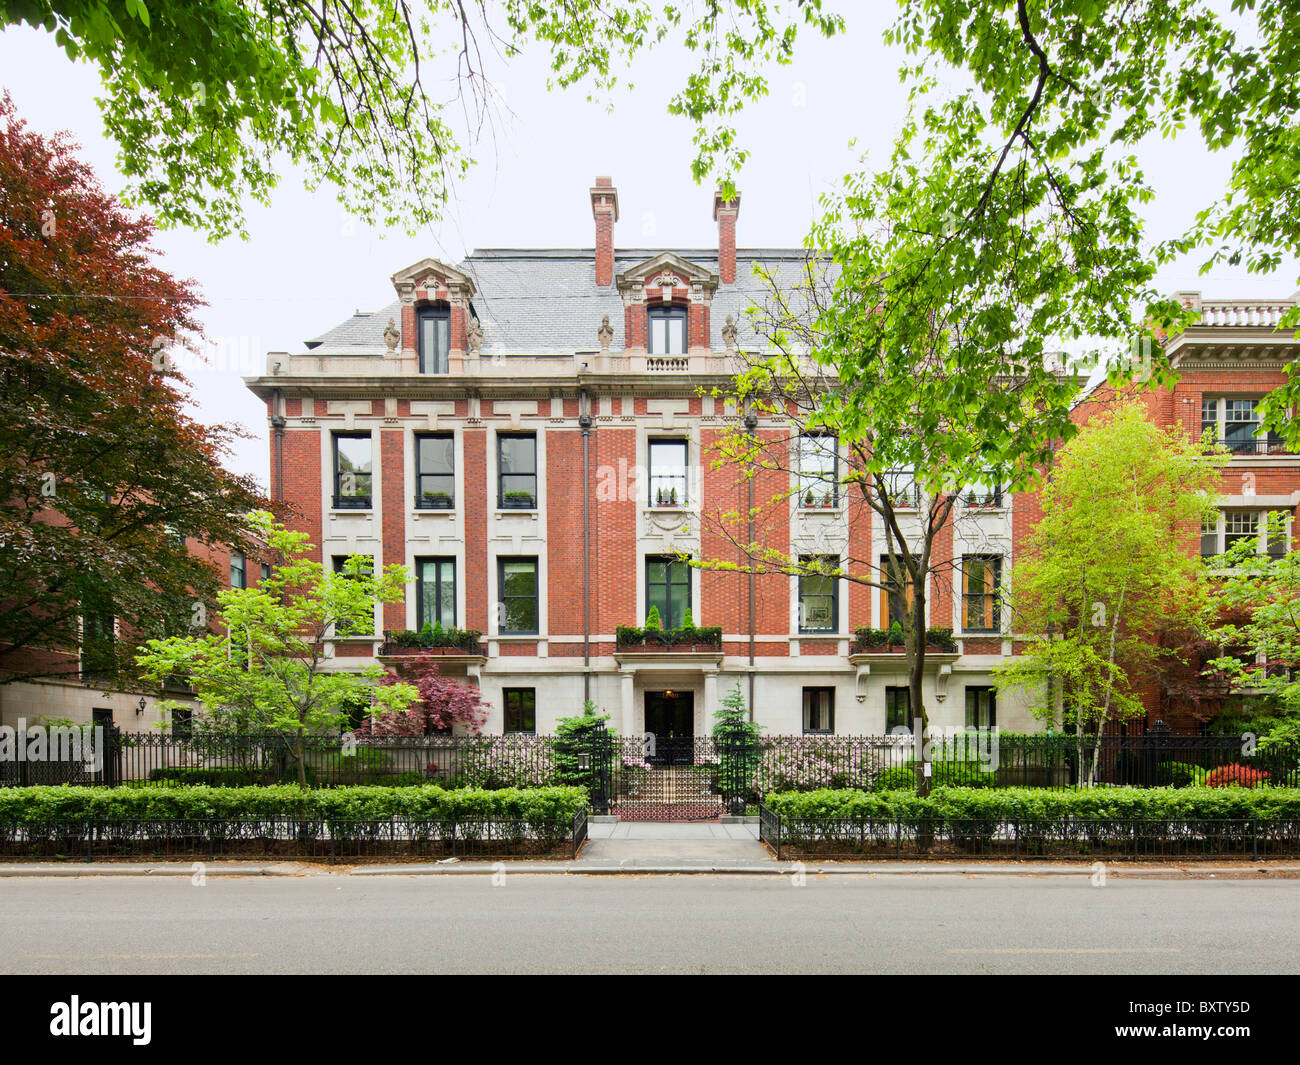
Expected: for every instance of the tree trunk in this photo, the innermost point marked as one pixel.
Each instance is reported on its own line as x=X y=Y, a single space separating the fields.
x=915 y=696
x=1110 y=689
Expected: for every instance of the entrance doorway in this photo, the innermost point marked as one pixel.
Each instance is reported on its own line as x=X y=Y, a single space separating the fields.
x=670 y=719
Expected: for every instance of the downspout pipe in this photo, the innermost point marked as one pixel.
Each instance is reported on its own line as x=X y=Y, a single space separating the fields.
x=277 y=427
x=584 y=423
x=751 y=423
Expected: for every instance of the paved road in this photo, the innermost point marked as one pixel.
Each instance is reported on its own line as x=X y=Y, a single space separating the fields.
x=703 y=923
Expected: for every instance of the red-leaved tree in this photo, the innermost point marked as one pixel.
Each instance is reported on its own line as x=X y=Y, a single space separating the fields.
x=442 y=704
x=103 y=477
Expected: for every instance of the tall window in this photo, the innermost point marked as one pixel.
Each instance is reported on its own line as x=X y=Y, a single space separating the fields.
x=1235 y=421
x=362 y=626
x=520 y=710
x=900 y=487
x=668 y=588
x=818 y=710
x=818 y=470
x=182 y=722
x=981 y=707
x=667 y=329
x=986 y=492
x=898 y=592
x=238 y=570
x=1268 y=531
x=667 y=473
x=517 y=589
x=434 y=332
x=435 y=592
x=818 y=595
x=352 y=471
x=517 y=470
x=98 y=641
x=435 y=471
x=981 y=581
x=898 y=708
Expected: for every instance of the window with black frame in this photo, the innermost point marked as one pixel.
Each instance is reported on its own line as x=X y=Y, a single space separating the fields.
x=433 y=329
x=520 y=706
x=517 y=592
x=818 y=595
x=818 y=471
x=517 y=471
x=818 y=711
x=666 y=329
x=238 y=570
x=668 y=589
x=898 y=708
x=981 y=706
x=98 y=640
x=985 y=493
x=435 y=471
x=361 y=626
x=435 y=592
x=981 y=584
x=353 y=469
x=667 y=473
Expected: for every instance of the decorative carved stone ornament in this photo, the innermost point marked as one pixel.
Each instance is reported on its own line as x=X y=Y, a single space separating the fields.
x=729 y=333
x=606 y=335
x=391 y=335
x=474 y=336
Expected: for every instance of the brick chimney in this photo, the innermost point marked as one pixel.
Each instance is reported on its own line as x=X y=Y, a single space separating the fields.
x=724 y=213
x=604 y=208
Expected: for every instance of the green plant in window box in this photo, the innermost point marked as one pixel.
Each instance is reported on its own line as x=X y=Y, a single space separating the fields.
x=519 y=500
x=437 y=499
x=652 y=620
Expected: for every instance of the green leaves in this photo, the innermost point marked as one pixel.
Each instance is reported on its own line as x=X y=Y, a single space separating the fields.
x=206 y=97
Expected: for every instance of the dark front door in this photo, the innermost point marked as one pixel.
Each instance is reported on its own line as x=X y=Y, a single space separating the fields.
x=670 y=719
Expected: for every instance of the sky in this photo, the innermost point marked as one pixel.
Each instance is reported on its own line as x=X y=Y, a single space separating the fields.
x=306 y=265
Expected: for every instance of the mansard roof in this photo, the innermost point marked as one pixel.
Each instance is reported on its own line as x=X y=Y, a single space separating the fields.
x=546 y=302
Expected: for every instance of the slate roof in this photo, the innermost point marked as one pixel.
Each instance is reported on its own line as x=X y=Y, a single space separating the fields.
x=546 y=302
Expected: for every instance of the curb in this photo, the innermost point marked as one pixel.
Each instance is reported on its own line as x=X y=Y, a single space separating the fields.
x=650 y=868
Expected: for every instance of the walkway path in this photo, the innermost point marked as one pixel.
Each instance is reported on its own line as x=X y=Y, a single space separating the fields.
x=641 y=844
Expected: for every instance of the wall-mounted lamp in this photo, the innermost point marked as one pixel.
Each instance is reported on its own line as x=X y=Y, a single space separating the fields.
x=139 y=707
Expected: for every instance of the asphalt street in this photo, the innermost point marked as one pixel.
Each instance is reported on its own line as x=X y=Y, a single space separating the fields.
x=519 y=923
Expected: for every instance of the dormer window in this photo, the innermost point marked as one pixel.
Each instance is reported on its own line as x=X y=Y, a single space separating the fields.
x=667 y=330
x=433 y=325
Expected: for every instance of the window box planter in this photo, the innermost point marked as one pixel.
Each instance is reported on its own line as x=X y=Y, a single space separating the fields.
x=660 y=641
x=518 y=501
x=447 y=642
x=817 y=501
x=434 y=501
x=878 y=641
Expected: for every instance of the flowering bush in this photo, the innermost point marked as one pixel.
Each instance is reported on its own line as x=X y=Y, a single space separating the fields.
x=1235 y=775
x=510 y=762
x=813 y=764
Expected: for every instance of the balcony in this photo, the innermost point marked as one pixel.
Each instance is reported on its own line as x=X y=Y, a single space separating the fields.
x=1255 y=445
x=882 y=642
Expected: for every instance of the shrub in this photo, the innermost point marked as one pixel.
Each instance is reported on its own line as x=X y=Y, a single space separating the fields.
x=652 y=620
x=425 y=802
x=1235 y=775
x=1038 y=803
x=1181 y=774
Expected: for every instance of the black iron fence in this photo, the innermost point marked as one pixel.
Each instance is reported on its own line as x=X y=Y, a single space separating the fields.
x=1043 y=838
x=699 y=771
x=315 y=839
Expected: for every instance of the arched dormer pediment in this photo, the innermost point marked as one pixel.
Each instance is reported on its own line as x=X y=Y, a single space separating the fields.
x=663 y=271
x=436 y=279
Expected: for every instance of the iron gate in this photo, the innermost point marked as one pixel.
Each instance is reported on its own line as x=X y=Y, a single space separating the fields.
x=697 y=778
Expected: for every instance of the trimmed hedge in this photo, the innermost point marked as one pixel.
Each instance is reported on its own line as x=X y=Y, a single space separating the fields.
x=428 y=802
x=1030 y=803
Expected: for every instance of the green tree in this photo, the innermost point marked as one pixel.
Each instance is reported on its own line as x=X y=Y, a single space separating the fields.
x=1108 y=568
x=583 y=747
x=1254 y=614
x=735 y=741
x=267 y=670
x=384 y=101
x=1066 y=90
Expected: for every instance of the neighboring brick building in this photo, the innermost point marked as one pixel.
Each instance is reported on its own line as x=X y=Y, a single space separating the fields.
x=1226 y=363
x=70 y=692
